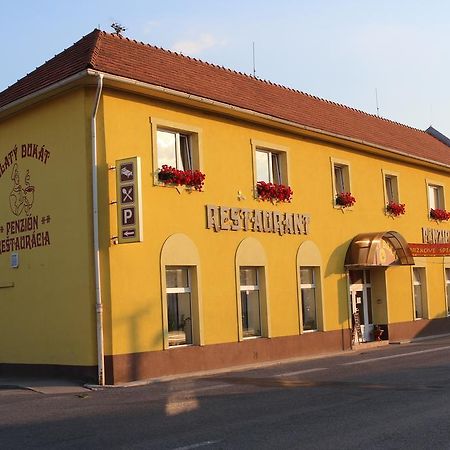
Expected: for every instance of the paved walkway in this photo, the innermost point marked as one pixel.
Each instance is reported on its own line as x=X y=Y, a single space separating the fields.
x=43 y=385
x=62 y=386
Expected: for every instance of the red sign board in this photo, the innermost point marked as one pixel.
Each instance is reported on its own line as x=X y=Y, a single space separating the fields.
x=430 y=249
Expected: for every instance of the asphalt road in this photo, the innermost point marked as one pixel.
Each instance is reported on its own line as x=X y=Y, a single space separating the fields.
x=396 y=397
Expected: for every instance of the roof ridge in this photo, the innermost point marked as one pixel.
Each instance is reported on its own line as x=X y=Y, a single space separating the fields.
x=96 y=48
x=262 y=80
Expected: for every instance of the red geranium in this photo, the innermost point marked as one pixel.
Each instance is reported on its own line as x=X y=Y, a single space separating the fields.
x=273 y=192
x=345 y=199
x=439 y=214
x=190 y=178
x=395 y=209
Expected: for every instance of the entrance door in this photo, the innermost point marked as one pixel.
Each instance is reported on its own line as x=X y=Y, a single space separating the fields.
x=361 y=298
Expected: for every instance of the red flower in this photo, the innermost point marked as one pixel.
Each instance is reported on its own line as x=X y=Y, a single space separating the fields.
x=345 y=199
x=439 y=214
x=395 y=209
x=273 y=192
x=190 y=178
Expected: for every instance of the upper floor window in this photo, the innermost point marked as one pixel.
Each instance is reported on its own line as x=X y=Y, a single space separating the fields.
x=268 y=167
x=341 y=178
x=174 y=150
x=391 y=187
x=342 y=196
x=436 y=196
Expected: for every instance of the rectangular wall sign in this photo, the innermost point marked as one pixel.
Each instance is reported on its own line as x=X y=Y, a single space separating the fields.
x=129 y=207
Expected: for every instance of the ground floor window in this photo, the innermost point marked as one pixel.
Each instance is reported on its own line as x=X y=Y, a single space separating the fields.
x=419 y=292
x=179 y=305
x=447 y=289
x=250 y=302
x=308 y=297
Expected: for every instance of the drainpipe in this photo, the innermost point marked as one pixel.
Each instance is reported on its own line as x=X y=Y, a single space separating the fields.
x=98 y=291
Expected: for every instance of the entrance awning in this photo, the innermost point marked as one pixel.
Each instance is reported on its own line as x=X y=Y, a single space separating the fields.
x=380 y=249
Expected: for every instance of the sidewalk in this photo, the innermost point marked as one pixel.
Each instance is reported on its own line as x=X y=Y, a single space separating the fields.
x=62 y=386
x=43 y=385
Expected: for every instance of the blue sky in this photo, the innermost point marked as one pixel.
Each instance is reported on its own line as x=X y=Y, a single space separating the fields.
x=338 y=50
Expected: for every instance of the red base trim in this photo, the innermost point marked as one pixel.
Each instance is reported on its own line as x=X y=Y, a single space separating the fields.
x=135 y=366
x=418 y=328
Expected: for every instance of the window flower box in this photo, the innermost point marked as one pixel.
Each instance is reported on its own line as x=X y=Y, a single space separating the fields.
x=395 y=209
x=439 y=214
x=193 y=179
x=345 y=199
x=273 y=192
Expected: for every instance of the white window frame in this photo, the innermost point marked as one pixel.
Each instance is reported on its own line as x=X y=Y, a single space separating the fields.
x=252 y=288
x=181 y=290
x=314 y=286
x=274 y=150
x=447 y=288
x=345 y=173
x=180 y=130
x=183 y=154
x=422 y=276
x=273 y=166
x=438 y=188
x=394 y=195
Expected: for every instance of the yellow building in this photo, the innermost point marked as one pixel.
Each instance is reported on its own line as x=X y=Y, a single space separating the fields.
x=162 y=215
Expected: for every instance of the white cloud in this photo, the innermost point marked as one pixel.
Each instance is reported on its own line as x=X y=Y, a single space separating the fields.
x=150 y=26
x=194 y=47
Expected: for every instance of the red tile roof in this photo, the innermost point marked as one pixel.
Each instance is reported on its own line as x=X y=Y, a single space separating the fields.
x=127 y=58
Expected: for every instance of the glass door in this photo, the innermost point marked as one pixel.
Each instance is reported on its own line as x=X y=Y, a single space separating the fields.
x=361 y=298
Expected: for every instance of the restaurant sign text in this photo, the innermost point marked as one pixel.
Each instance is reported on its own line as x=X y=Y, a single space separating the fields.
x=224 y=218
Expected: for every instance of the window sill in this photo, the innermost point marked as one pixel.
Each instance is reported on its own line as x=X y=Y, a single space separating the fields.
x=170 y=347
x=310 y=331
x=179 y=188
x=246 y=338
x=342 y=208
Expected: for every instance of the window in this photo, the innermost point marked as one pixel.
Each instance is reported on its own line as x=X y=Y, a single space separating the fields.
x=447 y=289
x=435 y=197
x=269 y=163
x=309 y=288
x=308 y=298
x=175 y=145
x=174 y=150
x=250 y=302
x=268 y=167
x=340 y=178
x=391 y=188
x=419 y=289
x=179 y=308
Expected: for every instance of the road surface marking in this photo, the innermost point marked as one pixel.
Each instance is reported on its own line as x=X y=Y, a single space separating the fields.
x=401 y=355
x=299 y=372
x=199 y=444
x=209 y=388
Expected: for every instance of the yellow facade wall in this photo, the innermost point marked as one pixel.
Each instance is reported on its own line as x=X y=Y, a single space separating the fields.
x=226 y=154
x=48 y=316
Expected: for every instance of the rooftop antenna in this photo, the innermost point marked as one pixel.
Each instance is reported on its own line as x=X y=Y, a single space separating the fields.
x=254 y=67
x=118 y=28
x=376 y=100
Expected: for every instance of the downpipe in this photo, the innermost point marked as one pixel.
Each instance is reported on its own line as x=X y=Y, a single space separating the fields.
x=98 y=291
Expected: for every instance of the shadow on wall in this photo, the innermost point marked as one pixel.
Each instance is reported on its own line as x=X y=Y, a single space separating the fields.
x=133 y=324
x=419 y=328
x=335 y=266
